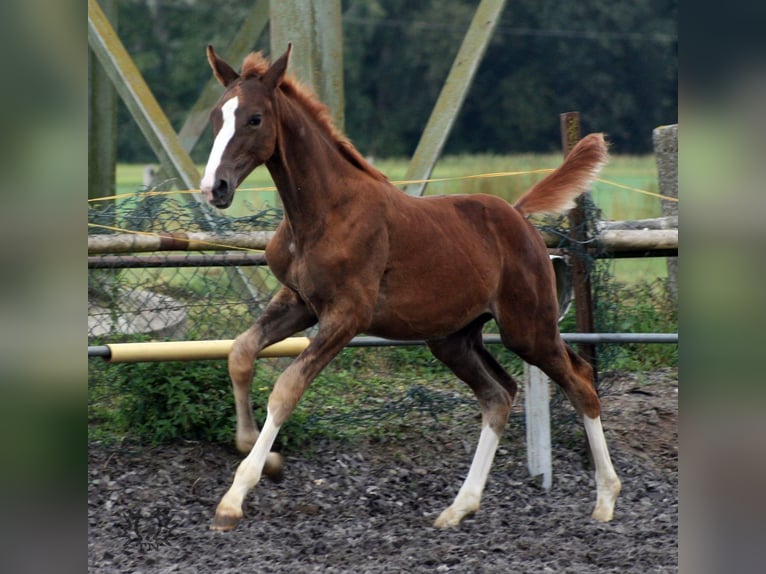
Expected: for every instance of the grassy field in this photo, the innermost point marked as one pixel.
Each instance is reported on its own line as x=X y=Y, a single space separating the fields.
x=615 y=203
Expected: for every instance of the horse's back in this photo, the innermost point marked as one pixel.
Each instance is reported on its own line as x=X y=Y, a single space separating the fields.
x=474 y=226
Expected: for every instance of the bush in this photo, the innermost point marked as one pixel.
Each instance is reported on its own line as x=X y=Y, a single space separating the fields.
x=156 y=402
x=645 y=307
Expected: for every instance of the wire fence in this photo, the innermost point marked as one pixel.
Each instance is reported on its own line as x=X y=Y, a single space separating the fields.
x=174 y=301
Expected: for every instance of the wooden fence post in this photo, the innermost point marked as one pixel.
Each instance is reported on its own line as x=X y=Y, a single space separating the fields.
x=665 y=139
x=570 y=135
x=316 y=31
x=102 y=122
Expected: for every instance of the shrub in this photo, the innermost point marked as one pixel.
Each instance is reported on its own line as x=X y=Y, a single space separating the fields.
x=645 y=307
x=162 y=401
x=158 y=402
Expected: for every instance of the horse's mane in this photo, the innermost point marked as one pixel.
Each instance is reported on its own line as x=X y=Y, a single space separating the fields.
x=256 y=64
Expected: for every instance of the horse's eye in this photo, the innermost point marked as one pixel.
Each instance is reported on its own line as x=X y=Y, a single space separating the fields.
x=255 y=120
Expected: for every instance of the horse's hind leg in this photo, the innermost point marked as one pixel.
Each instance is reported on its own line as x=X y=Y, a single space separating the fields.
x=465 y=355
x=575 y=376
x=285 y=315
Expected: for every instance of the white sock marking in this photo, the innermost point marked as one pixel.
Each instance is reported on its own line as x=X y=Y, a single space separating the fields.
x=219 y=146
x=249 y=471
x=470 y=492
x=598 y=447
x=469 y=496
x=607 y=483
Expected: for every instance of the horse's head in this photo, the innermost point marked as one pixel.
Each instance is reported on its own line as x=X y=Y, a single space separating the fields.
x=244 y=125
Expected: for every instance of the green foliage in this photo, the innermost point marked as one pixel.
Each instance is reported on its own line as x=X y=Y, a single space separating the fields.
x=158 y=402
x=162 y=401
x=645 y=307
x=615 y=61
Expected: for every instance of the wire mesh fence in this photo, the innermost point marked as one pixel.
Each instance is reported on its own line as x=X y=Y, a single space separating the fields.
x=193 y=296
x=174 y=301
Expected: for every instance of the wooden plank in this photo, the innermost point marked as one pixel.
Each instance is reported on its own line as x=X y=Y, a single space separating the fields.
x=613 y=242
x=667 y=222
x=102 y=124
x=453 y=94
x=191 y=241
x=617 y=240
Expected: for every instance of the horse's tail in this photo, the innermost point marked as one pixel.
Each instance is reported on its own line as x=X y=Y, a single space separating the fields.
x=556 y=192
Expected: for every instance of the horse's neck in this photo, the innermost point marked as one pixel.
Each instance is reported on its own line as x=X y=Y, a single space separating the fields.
x=306 y=168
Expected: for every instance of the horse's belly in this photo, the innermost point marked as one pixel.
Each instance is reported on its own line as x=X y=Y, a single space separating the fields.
x=428 y=317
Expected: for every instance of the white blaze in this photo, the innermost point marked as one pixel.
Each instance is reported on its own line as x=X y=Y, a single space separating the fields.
x=219 y=146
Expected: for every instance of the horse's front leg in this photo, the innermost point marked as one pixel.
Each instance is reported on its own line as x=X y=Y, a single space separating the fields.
x=285 y=315
x=287 y=391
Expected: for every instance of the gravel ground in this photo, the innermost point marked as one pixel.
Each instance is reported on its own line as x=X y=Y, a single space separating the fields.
x=369 y=507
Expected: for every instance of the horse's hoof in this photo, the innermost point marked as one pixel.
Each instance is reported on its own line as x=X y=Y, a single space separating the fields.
x=448 y=519
x=602 y=513
x=606 y=499
x=224 y=521
x=273 y=468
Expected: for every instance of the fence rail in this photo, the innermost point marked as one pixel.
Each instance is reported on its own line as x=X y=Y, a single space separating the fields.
x=629 y=239
x=219 y=349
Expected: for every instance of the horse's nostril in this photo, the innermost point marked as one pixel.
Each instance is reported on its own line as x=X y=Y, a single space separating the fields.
x=221 y=187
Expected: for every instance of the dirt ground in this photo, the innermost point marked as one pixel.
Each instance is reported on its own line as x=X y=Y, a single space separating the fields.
x=369 y=507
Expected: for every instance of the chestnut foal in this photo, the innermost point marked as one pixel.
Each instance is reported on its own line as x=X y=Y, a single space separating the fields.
x=354 y=254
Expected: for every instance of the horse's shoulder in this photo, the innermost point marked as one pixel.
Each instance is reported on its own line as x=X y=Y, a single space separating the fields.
x=279 y=254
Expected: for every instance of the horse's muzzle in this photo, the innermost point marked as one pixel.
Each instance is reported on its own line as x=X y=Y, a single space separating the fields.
x=222 y=194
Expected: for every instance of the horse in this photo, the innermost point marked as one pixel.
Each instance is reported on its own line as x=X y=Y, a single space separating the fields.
x=354 y=254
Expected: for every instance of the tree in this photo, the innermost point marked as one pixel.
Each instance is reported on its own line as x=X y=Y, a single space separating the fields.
x=613 y=60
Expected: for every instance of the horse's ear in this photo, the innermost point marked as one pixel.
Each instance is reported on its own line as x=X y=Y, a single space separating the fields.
x=223 y=72
x=274 y=75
